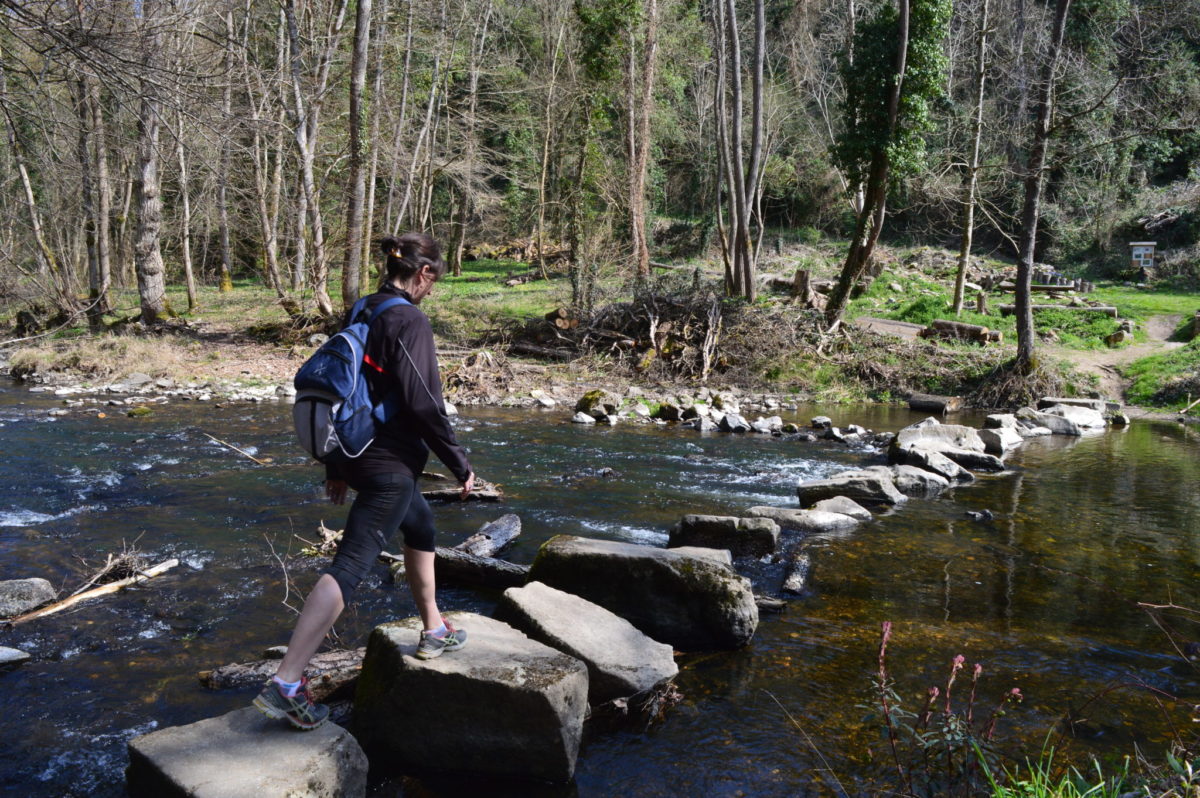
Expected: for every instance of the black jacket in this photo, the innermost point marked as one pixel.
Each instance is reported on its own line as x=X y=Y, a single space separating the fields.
x=401 y=361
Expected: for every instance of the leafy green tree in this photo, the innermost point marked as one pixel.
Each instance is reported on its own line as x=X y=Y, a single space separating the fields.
x=896 y=75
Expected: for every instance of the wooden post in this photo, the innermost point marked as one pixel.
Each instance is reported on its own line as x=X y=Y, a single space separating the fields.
x=981 y=303
x=800 y=284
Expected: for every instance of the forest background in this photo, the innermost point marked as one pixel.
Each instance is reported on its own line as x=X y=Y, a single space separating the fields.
x=159 y=143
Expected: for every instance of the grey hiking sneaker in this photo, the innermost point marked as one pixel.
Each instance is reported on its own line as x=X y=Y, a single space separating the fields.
x=300 y=710
x=431 y=646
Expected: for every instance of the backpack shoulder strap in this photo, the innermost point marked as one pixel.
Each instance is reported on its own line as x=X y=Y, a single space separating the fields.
x=390 y=302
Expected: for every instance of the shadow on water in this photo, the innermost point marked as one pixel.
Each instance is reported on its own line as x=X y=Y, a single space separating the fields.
x=1044 y=595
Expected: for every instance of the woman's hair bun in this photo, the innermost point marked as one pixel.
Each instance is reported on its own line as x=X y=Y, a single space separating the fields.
x=389 y=245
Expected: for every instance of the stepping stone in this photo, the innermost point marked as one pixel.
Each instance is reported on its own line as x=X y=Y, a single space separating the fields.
x=621 y=661
x=504 y=706
x=245 y=754
x=741 y=536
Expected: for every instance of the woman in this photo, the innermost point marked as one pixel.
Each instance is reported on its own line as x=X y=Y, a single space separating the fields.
x=401 y=363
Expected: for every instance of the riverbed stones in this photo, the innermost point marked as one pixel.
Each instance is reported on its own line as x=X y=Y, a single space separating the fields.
x=843 y=506
x=582 y=418
x=742 y=536
x=1000 y=421
x=809 y=521
x=689 y=597
x=244 y=754
x=620 y=660
x=22 y=595
x=869 y=488
x=505 y=706
x=1001 y=440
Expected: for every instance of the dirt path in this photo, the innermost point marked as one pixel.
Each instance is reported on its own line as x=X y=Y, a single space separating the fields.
x=1104 y=363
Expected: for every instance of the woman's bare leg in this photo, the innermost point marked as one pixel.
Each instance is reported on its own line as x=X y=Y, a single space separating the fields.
x=322 y=607
x=418 y=567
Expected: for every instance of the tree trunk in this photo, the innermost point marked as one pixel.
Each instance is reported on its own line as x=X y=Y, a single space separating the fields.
x=226 y=278
x=380 y=40
x=870 y=219
x=1031 y=208
x=185 y=218
x=102 y=303
x=401 y=124
x=539 y=237
x=88 y=199
x=357 y=189
x=148 y=260
x=642 y=155
x=968 y=222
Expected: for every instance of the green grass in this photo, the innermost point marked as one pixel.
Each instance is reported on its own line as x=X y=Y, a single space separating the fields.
x=1168 y=380
x=1141 y=304
x=1043 y=779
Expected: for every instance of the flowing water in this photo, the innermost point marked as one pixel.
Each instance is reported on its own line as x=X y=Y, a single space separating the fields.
x=1044 y=595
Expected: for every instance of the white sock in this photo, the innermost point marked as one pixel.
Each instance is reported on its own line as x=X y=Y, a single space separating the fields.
x=287 y=688
x=438 y=632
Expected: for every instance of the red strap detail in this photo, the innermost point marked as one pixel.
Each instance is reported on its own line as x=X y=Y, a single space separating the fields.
x=367 y=359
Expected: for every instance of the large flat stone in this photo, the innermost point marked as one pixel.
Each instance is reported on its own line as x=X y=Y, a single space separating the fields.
x=917 y=482
x=742 y=536
x=939 y=464
x=244 y=754
x=621 y=661
x=934 y=436
x=1083 y=417
x=844 y=506
x=864 y=487
x=22 y=595
x=806 y=520
x=11 y=656
x=504 y=705
x=1102 y=406
x=1057 y=424
x=679 y=596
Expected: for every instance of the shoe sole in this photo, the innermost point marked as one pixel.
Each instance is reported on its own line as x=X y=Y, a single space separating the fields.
x=275 y=713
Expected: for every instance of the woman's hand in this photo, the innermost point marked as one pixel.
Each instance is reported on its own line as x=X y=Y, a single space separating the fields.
x=468 y=486
x=335 y=489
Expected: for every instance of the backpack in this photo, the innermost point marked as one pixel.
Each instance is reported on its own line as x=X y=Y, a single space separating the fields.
x=334 y=415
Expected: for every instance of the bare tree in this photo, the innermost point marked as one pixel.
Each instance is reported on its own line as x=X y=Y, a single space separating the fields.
x=356 y=182
x=147 y=249
x=968 y=220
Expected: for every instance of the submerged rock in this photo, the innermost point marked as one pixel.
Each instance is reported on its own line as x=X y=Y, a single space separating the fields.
x=753 y=536
x=244 y=754
x=688 y=597
x=621 y=661
x=504 y=706
x=22 y=595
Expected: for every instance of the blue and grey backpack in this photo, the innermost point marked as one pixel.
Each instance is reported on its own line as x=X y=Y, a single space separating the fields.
x=334 y=415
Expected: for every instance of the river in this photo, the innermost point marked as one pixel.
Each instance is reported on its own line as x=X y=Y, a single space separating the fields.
x=1044 y=596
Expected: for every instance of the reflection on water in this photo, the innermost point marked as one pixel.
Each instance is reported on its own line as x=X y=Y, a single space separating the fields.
x=1045 y=594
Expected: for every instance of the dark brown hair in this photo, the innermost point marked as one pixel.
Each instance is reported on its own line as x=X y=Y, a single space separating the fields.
x=406 y=255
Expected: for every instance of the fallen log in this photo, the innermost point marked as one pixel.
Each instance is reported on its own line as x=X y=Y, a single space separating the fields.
x=961 y=329
x=1040 y=288
x=331 y=674
x=1107 y=310
x=935 y=404
x=96 y=592
x=461 y=568
x=540 y=351
x=493 y=537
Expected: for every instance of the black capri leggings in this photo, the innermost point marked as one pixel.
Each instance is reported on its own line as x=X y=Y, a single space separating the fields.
x=384 y=503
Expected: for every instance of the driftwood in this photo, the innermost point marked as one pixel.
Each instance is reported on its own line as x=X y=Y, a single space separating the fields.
x=493 y=537
x=1107 y=310
x=96 y=592
x=331 y=674
x=769 y=604
x=935 y=404
x=461 y=568
x=483 y=492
